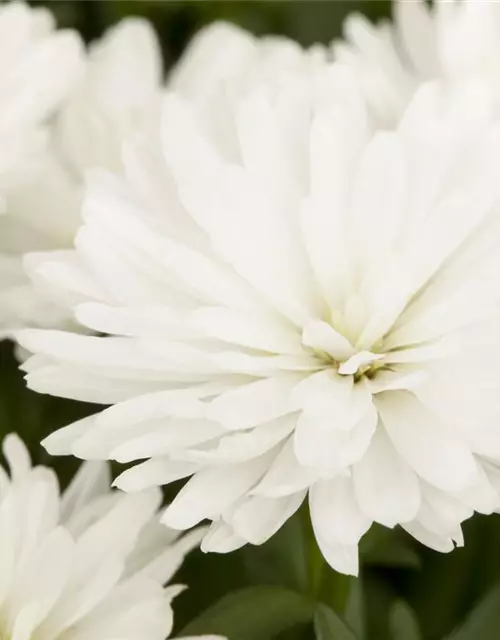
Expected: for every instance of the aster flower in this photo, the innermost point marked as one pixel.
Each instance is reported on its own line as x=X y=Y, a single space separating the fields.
x=454 y=41
x=38 y=67
x=89 y=564
x=116 y=95
x=315 y=315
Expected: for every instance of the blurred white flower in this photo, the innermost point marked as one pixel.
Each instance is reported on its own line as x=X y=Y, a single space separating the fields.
x=314 y=312
x=115 y=96
x=455 y=41
x=38 y=67
x=89 y=564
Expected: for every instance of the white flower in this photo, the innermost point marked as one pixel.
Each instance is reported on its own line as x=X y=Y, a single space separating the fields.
x=115 y=97
x=455 y=41
x=89 y=564
x=315 y=314
x=38 y=67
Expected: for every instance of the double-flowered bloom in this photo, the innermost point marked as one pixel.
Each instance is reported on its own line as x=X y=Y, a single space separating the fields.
x=294 y=306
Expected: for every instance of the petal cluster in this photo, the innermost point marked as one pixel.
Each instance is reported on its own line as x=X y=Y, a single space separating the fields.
x=300 y=307
x=38 y=68
x=113 y=94
x=116 y=98
x=87 y=564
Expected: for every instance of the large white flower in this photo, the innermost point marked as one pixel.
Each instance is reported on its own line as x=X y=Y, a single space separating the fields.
x=89 y=564
x=455 y=41
x=115 y=96
x=315 y=314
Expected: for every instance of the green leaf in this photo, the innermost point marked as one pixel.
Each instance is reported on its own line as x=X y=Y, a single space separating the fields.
x=484 y=621
x=388 y=548
x=403 y=622
x=328 y=625
x=255 y=613
x=281 y=561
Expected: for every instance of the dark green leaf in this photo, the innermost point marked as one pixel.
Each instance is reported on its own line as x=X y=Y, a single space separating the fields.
x=256 y=613
x=484 y=621
x=328 y=625
x=281 y=560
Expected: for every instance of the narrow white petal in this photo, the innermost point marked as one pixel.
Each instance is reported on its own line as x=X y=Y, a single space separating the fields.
x=257 y=519
x=211 y=491
x=153 y=473
x=335 y=514
x=434 y=452
x=387 y=489
x=254 y=403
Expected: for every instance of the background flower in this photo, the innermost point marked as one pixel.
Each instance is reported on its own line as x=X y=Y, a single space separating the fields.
x=38 y=67
x=452 y=41
x=114 y=97
x=88 y=564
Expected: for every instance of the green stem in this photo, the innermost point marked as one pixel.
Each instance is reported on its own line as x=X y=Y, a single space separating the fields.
x=335 y=589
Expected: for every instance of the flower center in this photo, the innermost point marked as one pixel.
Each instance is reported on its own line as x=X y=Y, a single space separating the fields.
x=334 y=350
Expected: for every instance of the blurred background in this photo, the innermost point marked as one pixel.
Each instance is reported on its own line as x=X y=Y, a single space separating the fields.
x=440 y=590
x=307 y=21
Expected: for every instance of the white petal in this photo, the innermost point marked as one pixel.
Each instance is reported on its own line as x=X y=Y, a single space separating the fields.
x=418 y=26
x=257 y=519
x=335 y=514
x=17 y=455
x=61 y=441
x=255 y=403
x=221 y=538
x=436 y=454
x=285 y=475
x=342 y=558
x=440 y=512
x=211 y=491
x=319 y=444
x=259 y=241
x=387 y=490
x=321 y=336
x=439 y=543
x=258 y=331
x=237 y=447
x=154 y=473
x=166 y=437
x=92 y=480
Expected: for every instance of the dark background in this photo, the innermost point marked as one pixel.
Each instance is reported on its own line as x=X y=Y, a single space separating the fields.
x=307 y=21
